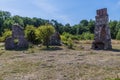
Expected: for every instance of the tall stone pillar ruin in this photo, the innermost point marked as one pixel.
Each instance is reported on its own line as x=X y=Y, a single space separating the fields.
x=102 y=36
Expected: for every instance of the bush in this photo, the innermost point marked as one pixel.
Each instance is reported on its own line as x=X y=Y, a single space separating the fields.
x=7 y=33
x=67 y=35
x=31 y=34
x=70 y=43
x=87 y=36
x=64 y=39
x=75 y=37
x=1 y=39
x=45 y=32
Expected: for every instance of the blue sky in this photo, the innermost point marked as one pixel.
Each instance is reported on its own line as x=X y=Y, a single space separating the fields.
x=64 y=11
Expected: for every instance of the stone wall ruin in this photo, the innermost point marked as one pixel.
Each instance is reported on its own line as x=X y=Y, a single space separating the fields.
x=17 y=41
x=55 y=39
x=102 y=38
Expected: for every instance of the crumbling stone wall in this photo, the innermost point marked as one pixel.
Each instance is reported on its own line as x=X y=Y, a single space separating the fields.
x=17 y=34
x=55 y=39
x=102 y=36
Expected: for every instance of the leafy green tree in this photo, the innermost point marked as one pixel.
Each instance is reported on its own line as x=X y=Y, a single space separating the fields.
x=45 y=32
x=8 y=23
x=118 y=35
x=84 y=23
x=117 y=27
x=30 y=33
x=27 y=21
x=113 y=28
x=58 y=26
x=3 y=16
x=67 y=28
x=38 y=21
x=91 y=26
x=18 y=19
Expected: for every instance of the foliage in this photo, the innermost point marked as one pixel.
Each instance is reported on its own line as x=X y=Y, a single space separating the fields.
x=31 y=34
x=82 y=28
x=45 y=32
x=18 y=19
x=70 y=43
x=113 y=28
x=87 y=36
x=118 y=35
x=3 y=16
x=7 y=33
x=16 y=41
x=68 y=35
x=67 y=39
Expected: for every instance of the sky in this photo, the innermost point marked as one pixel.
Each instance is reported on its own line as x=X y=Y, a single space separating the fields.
x=64 y=11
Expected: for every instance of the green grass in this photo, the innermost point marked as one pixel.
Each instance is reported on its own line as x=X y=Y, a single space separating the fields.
x=113 y=79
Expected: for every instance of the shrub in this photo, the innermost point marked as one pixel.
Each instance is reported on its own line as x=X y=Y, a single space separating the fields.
x=87 y=36
x=70 y=43
x=75 y=37
x=67 y=35
x=45 y=32
x=64 y=39
x=7 y=33
x=32 y=35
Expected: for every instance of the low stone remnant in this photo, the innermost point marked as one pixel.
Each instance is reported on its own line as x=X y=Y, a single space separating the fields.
x=102 y=38
x=17 y=41
x=55 y=39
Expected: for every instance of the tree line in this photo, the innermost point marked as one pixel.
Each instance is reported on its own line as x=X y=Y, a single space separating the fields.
x=84 y=28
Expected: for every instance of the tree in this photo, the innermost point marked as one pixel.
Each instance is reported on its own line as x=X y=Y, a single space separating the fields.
x=27 y=21
x=3 y=16
x=91 y=26
x=58 y=26
x=113 y=29
x=118 y=35
x=84 y=22
x=8 y=23
x=45 y=32
x=30 y=33
x=117 y=27
x=38 y=21
x=18 y=19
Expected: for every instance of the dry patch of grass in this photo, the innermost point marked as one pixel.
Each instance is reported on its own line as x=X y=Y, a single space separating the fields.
x=60 y=63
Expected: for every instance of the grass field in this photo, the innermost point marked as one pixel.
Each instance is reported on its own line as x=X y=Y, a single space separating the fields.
x=61 y=63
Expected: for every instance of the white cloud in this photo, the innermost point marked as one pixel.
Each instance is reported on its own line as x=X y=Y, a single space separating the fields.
x=52 y=10
x=45 y=6
x=37 y=8
x=8 y=5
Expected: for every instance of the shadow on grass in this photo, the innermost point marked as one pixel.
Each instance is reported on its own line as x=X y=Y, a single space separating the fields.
x=22 y=49
x=51 y=48
x=115 y=50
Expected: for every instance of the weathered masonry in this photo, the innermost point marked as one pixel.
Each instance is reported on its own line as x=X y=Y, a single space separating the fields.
x=17 y=41
x=102 y=39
